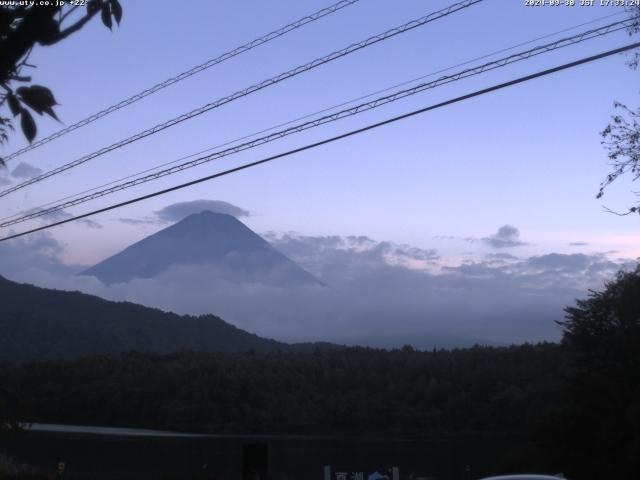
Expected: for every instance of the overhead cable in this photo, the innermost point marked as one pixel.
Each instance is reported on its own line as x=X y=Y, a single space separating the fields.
x=249 y=90
x=331 y=139
x=309 y=115
x=348 y=112
x=186 y=74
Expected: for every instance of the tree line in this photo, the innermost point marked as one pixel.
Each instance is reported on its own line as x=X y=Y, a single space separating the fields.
x=577 y=402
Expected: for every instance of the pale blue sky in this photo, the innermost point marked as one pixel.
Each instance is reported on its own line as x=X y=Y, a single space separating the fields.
x=529 y=156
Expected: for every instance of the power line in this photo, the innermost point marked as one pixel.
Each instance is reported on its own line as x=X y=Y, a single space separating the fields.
x=309 y=115
x=561 y=43
x=334 y=139
x=254 y=88
x=192 y=71
x=616 y=26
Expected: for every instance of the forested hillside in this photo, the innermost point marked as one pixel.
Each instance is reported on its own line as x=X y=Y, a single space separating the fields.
x=355 y=390
x=38 y=323
x=574 y=404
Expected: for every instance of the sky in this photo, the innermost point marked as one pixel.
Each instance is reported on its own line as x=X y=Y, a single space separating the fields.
x=512 y=173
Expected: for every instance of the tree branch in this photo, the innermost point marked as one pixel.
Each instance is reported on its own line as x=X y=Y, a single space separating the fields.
x=67 y=13
x=619 y=214
x=75 y=27
x=23 y=38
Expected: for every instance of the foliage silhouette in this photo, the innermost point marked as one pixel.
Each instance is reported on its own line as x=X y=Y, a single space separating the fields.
x=24 y=26
x=602 y=340
x=621 y=137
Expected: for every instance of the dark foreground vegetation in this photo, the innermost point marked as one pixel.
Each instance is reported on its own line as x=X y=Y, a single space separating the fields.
x=350 y=391
x=467 y=397
x=576 y=404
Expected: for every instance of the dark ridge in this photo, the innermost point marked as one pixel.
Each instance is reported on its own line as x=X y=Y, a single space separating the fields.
x=39 y=323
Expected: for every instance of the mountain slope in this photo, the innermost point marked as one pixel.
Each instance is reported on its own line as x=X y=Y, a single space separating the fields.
x=208 y=239
x=38 y=323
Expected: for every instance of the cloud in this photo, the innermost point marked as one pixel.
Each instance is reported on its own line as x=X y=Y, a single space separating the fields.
x=378 y=293
x=60 y=215
x=578 y=244
x=331 y=257
x=90 y=223
x=25 y=170
x=178 y=211
x=53 y=216
x=57 y=216
x=27 y=258
x=445 y=237
x=500 y=258
x=139 y=221
x=507 y=236
x=573 y=265
x=4 y=180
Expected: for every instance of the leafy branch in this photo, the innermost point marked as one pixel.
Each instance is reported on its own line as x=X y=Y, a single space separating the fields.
x=621 y=138
x=22 y=27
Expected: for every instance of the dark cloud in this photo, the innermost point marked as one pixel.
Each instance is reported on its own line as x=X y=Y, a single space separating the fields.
x=25 y=170
x=407 y=252
x=57 y=216
x=178 y=211
x=557 y=262
x=577 y=264
x=507 y=236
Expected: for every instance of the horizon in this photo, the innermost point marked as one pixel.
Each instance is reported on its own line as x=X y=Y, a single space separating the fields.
x=366 y=285
x=478 y=219
x=360 y=240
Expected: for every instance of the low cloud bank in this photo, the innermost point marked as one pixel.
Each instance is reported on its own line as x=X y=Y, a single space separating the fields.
x=378 y=293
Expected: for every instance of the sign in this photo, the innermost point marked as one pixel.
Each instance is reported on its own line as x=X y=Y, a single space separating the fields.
x=337 y=473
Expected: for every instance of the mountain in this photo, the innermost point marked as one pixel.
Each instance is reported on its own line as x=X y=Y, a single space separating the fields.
x=213 y=240
x=39 y=323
